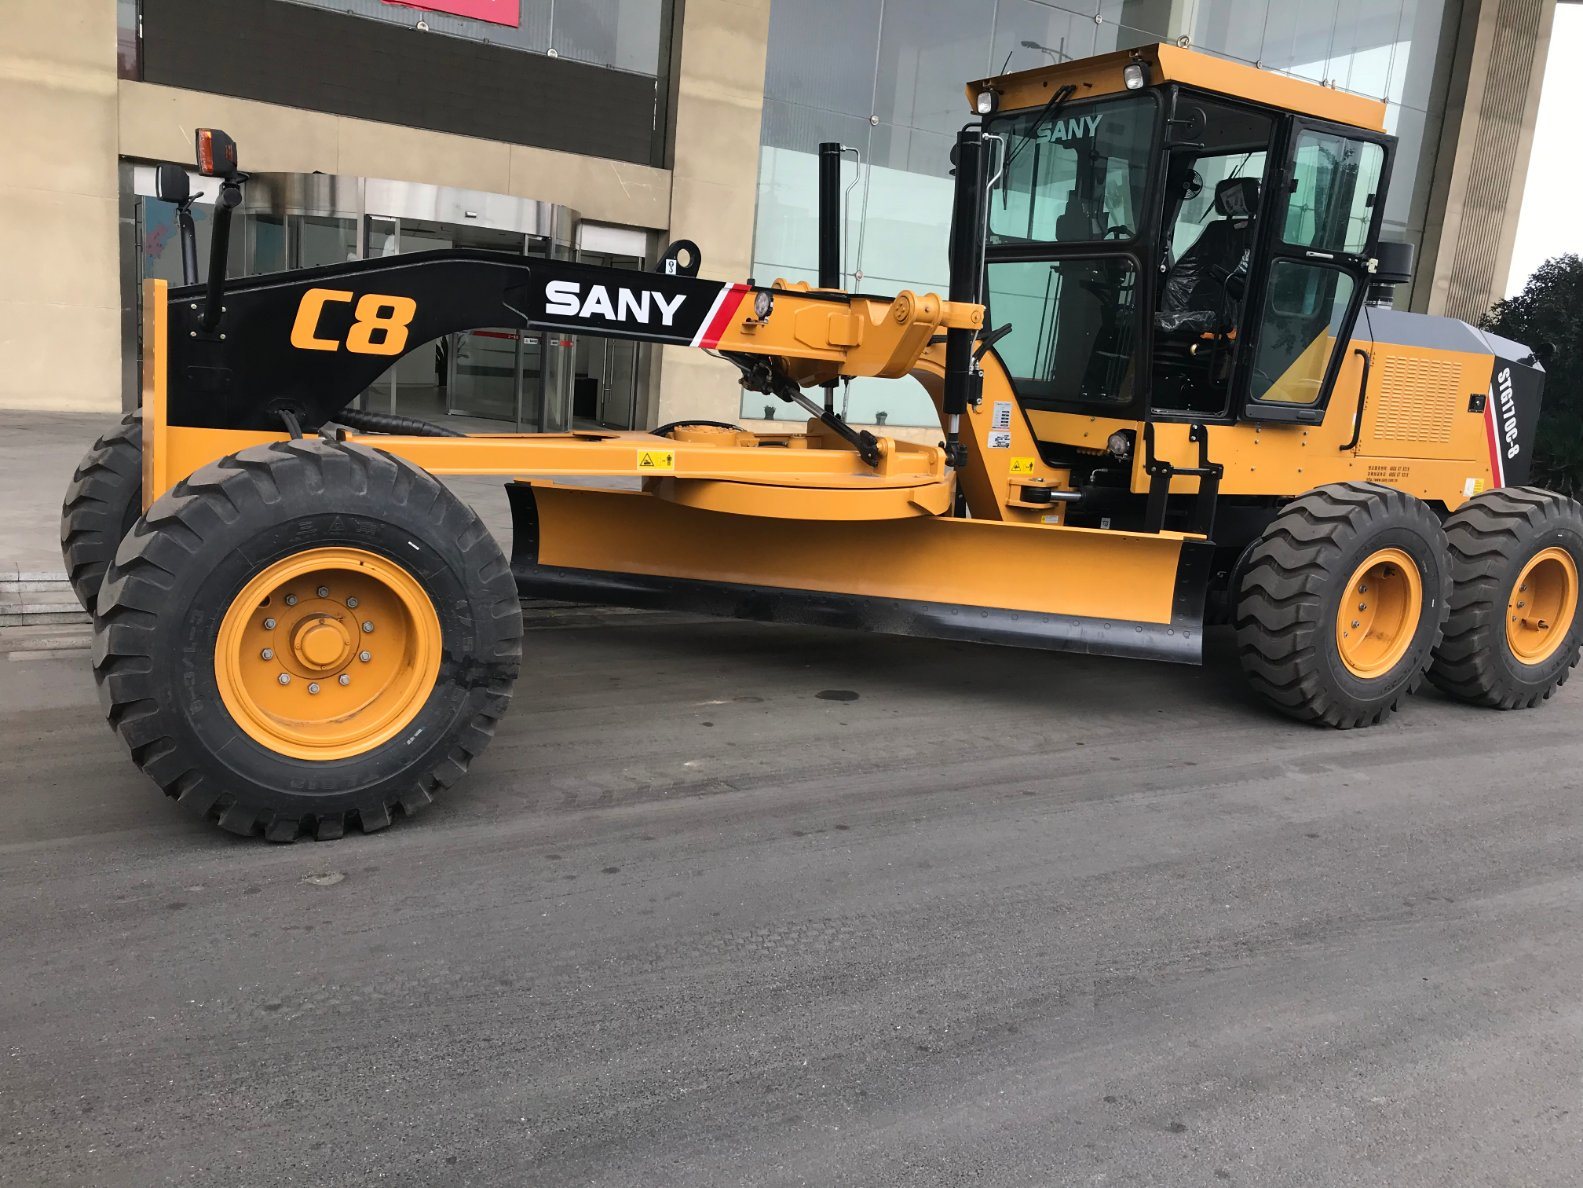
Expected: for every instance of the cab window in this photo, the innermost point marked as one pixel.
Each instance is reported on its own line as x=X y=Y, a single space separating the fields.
x=1078 y=176
x=1335 y=185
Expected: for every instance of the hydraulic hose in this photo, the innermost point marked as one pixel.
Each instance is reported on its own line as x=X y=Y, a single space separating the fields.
x=380 y=422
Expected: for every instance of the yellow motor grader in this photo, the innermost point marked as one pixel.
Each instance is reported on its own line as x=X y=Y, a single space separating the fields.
x=1171 y=389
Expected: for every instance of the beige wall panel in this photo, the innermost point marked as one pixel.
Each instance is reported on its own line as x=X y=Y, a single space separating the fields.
x=60 y=357
x=45 y=238
x=719 y=219
x=599 y=189
x=157 y=124
x=370 y=149
x=697 y=387
x=60 y=334
x=58 y=136
x=714 y=181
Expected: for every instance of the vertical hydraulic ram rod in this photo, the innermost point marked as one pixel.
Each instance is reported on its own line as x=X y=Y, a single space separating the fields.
x=963 y=380
x=829 y=231
x=830 y=215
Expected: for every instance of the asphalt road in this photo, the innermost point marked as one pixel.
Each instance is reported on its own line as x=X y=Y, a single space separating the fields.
x=729 y=904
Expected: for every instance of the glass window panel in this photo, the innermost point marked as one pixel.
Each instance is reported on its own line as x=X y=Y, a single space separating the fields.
x=624 y=34
x=928 y=50
x=1334 y=184
x=797 y=126
x=1419 y=136
x=1196 y=212
x=317 y=240
x=1413 y=68
x=1030 y=34
x=1079 y=175
x=1297 y=39
x=1231 y=27
x=786 y=230
x=1074 y=323
x=1363 y=44
x=821 y=54
x=1133 y=23
x=1303 y=313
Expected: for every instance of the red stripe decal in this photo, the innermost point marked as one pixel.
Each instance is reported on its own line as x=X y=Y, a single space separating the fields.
x=1492 y=434
x=728 y=309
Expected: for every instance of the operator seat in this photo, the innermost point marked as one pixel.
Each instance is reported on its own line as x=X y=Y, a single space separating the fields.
x=1194 y=300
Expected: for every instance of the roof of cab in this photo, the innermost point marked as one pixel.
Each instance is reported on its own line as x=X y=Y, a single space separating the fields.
x=1102 y=75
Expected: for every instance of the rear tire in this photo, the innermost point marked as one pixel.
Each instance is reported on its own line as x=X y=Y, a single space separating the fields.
x=1308 y=641
x=102 y=503
x=184 y=608
x=1495 y=539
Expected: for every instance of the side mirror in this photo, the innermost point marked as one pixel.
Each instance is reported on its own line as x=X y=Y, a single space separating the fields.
x=216 y=153
x=171 y=184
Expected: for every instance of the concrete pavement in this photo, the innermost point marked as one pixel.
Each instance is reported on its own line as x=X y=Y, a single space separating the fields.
x=731 y=904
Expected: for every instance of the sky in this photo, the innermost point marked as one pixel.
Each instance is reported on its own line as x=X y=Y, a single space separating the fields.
x=1549 y=222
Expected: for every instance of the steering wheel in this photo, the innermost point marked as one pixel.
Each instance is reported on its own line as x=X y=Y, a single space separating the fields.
x=1119 y=232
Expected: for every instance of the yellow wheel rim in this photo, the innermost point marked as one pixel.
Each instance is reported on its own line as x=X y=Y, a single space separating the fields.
x=327 y=653
x=1379 y=613
x=1543 y=602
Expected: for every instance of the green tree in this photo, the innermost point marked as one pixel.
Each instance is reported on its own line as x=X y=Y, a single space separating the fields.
x=1549 y=311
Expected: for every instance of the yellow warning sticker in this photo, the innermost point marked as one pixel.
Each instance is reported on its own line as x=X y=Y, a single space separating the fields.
x=656 y=459
x=1022 y=466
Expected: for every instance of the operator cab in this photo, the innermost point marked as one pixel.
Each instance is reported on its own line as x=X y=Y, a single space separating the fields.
x=1174 y=251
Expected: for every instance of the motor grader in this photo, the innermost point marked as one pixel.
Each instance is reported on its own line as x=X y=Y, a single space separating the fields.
x=1171 y=390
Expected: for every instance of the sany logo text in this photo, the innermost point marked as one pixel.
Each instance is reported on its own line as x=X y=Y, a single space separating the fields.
x=566 y=299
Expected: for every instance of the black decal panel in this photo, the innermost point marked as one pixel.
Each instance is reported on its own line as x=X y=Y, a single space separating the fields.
x=312 y=340
x=1516 y=391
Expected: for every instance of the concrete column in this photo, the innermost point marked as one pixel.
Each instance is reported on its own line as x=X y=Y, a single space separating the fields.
x=60 y=294
x=714 y=179
x=1477 y=190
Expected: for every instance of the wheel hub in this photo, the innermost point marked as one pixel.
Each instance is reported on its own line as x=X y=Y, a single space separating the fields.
x=1379 y=613
x=327 y=653
x=322 y=643
x=1542 y=605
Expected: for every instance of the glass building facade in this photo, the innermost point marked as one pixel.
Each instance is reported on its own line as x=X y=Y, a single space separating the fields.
x=886 y=78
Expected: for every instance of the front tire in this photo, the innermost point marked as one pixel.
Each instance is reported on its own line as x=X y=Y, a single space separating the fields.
x=101 y=505
x=1342 y=603
x=1515 y=630
x=304 y=637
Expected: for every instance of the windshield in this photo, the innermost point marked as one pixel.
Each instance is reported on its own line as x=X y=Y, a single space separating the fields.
x=1078 y=177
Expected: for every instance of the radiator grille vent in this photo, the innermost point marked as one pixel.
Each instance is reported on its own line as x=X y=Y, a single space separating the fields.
x=1419 y=399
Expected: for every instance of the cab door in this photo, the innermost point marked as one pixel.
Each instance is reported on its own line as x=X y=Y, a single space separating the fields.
x=1322 y=222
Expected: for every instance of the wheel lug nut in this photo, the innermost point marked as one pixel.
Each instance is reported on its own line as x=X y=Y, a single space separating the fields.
x=269 y=624
x=351 y=604
x=313 y=687
x=365 y=657
x=323 y=591
x=267 y=654
x=284 y=678
x=291 y=600
x=368 y=626
x=1355 y=623
x=344 y=679
x=1363 y=606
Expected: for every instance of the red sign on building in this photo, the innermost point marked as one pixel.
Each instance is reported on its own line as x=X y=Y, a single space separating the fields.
x=496 y=12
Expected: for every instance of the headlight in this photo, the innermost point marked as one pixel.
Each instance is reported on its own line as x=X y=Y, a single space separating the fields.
x=1135 y=75
x=1120 y=445
x=762 y=304
x=986 y=102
